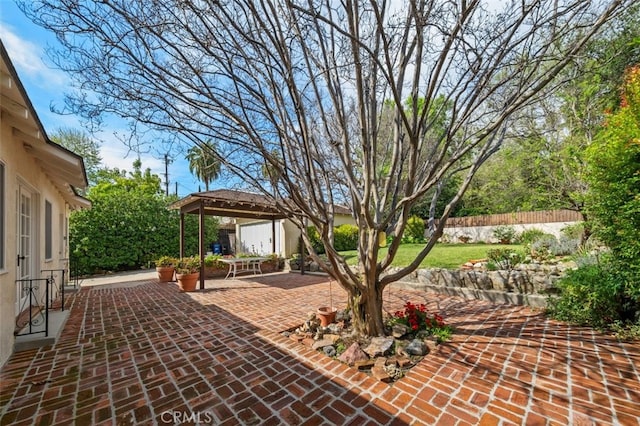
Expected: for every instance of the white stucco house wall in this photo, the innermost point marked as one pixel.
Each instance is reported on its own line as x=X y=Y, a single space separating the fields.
x=38 y=182
x=255 y=236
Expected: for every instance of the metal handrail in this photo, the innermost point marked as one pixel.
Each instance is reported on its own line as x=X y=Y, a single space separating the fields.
x=32 y=289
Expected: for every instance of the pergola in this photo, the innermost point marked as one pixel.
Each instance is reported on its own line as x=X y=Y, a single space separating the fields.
x=224 y=203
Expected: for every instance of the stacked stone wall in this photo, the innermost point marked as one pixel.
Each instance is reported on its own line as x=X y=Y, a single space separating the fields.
x=526 y=284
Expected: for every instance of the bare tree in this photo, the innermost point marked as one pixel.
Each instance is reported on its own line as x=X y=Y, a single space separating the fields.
x=303 y=86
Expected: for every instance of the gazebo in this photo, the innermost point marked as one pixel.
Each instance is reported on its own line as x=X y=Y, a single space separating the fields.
x=224 y=203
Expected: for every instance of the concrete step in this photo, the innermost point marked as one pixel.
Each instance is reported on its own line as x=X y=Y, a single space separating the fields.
x=57 y=320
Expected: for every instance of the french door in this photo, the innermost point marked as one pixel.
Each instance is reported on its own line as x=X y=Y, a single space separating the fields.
x=25 y=239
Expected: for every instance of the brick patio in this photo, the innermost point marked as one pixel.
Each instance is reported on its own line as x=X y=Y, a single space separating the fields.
x=146 y=353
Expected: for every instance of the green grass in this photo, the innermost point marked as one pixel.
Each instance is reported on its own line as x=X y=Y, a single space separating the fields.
x=450 y=256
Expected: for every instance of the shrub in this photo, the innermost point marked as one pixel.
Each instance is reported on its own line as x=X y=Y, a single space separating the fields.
x=345 y=237
x=504 y=233
x=414 y=232
x=599 y=295
x=540 y=249
x=565 y=246
x=188 y=265
x=504 y=258
x=314 y=235
x=547 y=247
x=464 y=239
x=530 y=236
x=213 y=261
x=574 y=231
x=166 y=261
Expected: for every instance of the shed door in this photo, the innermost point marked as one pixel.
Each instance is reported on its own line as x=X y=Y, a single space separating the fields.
x=257 y=238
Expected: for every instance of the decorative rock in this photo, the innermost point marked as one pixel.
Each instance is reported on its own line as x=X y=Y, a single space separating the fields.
x=308 y=341
x=329 y=351
x=296 y=338
x=333 y=337
x=311 y=315
x=286 y=333
x=416 y=347
x=335 y=328
x=393 y=371
x=321 y=344
x=353 y=354
x=431 y=345
x=403 y=361
x=379 y=346
x=364 y=364
x=399 y=330
x=380 y=373
x=342 y=315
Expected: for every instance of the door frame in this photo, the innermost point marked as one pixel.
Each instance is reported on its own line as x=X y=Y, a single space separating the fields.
x=33 y=236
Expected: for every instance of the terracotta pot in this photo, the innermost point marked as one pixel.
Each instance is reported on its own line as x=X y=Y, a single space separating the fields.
x=187 y=282
x=165 y=273
x=326 y=315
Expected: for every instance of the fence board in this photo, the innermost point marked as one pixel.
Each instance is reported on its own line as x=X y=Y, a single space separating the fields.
x=518 y=218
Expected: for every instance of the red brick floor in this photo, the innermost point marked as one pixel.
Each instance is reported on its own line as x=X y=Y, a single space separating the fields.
x=149 y=354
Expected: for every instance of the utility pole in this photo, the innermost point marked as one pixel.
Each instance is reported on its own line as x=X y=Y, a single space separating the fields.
x=166 y=174
x=176 y=189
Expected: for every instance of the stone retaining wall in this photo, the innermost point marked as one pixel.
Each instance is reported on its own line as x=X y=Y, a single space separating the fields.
x=527 y=284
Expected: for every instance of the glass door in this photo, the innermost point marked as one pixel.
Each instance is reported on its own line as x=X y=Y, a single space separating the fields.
x=25 y=247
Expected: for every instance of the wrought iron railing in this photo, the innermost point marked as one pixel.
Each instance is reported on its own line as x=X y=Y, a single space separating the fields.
x=34 y=312
x=56 y=289
x=74 y=272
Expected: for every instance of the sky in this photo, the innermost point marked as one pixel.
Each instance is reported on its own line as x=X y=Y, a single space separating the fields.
x=45 y=86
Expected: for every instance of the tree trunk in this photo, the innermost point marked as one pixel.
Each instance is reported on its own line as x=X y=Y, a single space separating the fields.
x=366 y=310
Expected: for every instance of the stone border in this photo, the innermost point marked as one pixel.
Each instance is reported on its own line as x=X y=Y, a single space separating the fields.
x=494 y=296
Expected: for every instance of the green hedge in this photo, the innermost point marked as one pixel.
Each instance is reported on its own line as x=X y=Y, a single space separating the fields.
x=345 y=238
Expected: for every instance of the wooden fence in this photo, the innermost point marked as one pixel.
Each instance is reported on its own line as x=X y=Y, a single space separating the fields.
x=519 y=218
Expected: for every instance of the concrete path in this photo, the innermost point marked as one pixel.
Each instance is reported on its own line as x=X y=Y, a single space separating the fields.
x=144 y=353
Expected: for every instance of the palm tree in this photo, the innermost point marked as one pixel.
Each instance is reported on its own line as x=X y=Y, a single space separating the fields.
x=203 y=162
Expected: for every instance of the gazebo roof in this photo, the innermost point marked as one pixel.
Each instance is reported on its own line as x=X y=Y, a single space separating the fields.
x=229 y=203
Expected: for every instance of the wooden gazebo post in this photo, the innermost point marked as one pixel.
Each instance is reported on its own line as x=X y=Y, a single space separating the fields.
x=201 y=240
x=181 y=234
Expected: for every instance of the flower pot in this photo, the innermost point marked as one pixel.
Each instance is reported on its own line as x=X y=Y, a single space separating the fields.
x=326 y=315
x=165 y=273
x=187 y=282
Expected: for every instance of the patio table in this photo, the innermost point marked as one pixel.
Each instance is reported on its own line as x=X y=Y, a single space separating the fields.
x=239 y=265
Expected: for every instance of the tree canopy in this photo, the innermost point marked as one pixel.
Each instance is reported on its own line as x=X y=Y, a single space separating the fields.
x=311 y=82
x=82 y=144
x=543 y=164
x=203 y=162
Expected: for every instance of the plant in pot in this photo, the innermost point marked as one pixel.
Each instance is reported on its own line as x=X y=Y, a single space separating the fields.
x=327 y=314
x=188 y=272
x=165 y=267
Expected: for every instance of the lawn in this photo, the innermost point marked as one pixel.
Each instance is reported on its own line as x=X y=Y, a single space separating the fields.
x=450 y=256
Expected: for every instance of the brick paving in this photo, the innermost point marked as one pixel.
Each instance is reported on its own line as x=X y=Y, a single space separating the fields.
x=148 y=354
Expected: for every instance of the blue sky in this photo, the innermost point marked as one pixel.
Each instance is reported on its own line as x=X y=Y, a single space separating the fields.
x=26 y=44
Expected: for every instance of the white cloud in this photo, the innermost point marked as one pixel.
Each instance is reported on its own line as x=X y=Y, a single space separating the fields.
x=27 y=58
x=115 y=154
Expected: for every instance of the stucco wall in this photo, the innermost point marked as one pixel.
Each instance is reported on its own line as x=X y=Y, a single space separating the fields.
x=485 y=233
x=289 y=233
x=22 y=169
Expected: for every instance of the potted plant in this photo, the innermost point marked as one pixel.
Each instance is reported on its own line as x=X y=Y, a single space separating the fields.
x=327 y=314
x=188 y=272
x=165 y=267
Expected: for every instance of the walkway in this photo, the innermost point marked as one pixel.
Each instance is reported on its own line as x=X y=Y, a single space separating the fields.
x=144 y=353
